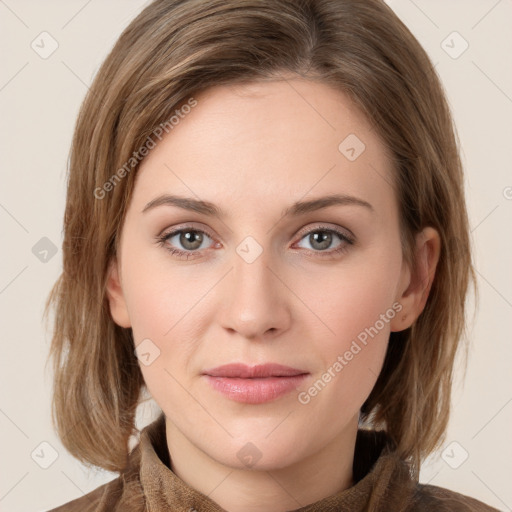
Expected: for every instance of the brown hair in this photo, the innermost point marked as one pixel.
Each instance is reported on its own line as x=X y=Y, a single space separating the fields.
x=176 y=48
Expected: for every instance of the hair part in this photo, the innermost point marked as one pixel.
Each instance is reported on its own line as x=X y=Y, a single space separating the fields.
x=176 y=48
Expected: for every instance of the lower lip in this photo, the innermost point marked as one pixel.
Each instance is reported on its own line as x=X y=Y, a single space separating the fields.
x=257 y=390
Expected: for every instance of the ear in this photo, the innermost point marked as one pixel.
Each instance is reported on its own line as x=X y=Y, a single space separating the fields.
x=115 y=295
x=415 y=284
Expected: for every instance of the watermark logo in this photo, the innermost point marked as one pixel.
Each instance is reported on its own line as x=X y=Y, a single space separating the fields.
x=44 y=250
x=44 y=455
x=249 y=249
x=249 y=454
x=44 y=45
x=351 y=147
x=147 y=351
x=454 y=455
x=454 y=45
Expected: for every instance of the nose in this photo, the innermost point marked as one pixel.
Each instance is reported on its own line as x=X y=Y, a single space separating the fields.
x=257 y=300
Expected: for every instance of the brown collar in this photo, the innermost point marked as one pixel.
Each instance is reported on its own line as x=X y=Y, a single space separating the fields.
x=380 y=478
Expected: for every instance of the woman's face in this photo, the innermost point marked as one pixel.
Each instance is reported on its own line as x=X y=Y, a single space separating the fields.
x=253 y=285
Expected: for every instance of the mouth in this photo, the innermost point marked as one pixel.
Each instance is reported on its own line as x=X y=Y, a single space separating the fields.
x=254 y=384
x=244 y=371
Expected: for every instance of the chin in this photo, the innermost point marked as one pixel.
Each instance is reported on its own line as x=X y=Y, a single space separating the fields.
x=258 y=454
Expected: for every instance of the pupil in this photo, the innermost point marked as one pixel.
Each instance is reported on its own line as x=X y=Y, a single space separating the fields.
x=323 y=238
x=187 y=240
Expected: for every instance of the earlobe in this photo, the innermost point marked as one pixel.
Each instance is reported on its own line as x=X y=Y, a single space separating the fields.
x=414 y=294
x=115 y=296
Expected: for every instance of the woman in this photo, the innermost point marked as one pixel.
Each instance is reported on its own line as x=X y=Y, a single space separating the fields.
x=266 y=229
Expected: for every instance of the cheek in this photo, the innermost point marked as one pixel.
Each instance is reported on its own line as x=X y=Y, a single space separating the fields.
x=352 y=297
x=163 y=301
x=351 y=358
x=159 y=314
x=155 y=292
x=356 y=306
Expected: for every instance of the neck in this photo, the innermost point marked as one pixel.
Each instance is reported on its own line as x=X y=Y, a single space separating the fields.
x=325 y=472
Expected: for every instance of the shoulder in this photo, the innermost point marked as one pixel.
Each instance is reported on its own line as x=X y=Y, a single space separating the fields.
x=116 y=495
x=430 y=497
x=97 y=500
x=122 y=494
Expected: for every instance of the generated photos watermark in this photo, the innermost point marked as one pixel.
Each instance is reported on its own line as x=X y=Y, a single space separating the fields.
x=343 y=360
x=143 y=151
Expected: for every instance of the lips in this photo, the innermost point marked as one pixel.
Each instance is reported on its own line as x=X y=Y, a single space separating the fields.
x=243 y=371
x=254 y=384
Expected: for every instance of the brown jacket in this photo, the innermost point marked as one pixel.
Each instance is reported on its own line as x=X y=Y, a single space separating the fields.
x=382 y=484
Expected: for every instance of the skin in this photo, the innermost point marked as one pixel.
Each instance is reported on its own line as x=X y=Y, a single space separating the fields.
x=253 y=150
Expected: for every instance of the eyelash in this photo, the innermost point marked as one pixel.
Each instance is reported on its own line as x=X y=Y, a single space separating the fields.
x=162 y=241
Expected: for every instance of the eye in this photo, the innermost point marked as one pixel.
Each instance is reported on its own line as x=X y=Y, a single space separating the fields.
x=322 y=238
x=188 y=242
x=192 y=240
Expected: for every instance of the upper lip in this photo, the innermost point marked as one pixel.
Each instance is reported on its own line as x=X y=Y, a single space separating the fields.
x=244 y=371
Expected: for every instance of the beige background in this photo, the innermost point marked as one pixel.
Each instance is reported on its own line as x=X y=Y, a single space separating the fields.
x=39 y=101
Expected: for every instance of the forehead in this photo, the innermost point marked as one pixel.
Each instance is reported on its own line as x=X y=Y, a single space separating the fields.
x=268 y=142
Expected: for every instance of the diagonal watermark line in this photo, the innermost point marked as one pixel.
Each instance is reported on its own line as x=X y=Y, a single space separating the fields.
x=288 y=82
x=373 y=373
x=284 y=489
x=494 y=288
x=165 y=165
x=217 y=486
x=503 y=407
x=78 y=283
x=14 y=486
x=14 y=76
x=392 y=185
x=71 y=480
x=68 y=432
x=102 y=100
x=194 y=305
x=14 y=423
x=490 y=490
x=488 y=215
x=76 y=14
x=305 y=194
x=83 y=493
x=432 y=477
x=204 y=408
x=301 y=300
x=13 y=279
x=280 y=423
x=75 y=74
x=14 y=218
x=424 y=13
x=485 y=15
x=492 y=81
x=3 y=3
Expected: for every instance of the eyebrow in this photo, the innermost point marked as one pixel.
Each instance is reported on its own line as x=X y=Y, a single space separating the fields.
x=297 y=208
